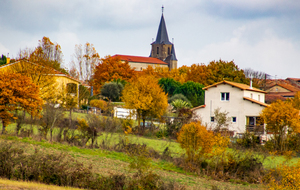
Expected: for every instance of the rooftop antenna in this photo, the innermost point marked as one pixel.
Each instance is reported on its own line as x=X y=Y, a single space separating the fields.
x=162 y=9
x=152 y=39
x=172 y=40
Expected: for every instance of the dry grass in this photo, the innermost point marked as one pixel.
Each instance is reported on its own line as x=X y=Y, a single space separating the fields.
x=6 y=184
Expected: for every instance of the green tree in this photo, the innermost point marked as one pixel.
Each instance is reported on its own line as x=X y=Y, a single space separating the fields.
x=180 y=97
x=193 y=91
x=3 y=60
x=179 y=104
x=112 y=90
x=169 y=85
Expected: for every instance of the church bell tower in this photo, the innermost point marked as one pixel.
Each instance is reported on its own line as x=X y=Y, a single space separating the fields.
x=162 y=48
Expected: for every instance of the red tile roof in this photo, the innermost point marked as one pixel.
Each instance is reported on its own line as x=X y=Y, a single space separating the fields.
x=235 y=84
x=294 y=79
x=140 y=59
x=269 y=98
x=286 y=86
x=255 y=101
x=195 y=108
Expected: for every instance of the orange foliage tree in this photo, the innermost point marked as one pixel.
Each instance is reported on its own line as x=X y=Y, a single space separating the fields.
x=47 y=54
x=17 y=92
x=164 y=72
x=282 y=120
x=146 y=96
x=111 y=68
x=215 y=71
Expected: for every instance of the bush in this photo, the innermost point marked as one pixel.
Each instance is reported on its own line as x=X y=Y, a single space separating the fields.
x=63 y=170
x=180 y=97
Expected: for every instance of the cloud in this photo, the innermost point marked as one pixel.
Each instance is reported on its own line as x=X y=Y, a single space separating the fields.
x=245 y=9
x=270 y=54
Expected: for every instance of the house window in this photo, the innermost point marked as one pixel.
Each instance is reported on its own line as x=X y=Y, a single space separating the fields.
x=169 y=52
x=251 y=96
x=212 y=119
x=258 y=97
x=141 y=68
x=157 y=50
x=233 y=119
x=225 y=96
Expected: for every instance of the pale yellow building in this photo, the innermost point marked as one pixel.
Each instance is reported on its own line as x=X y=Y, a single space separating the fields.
x=50 y=81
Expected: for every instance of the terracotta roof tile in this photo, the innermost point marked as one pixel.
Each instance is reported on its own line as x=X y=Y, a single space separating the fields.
x=235 y=84
x=286 y=86
x=195 y=108
x=255 y=101
x=140 y=59
x=269 y=98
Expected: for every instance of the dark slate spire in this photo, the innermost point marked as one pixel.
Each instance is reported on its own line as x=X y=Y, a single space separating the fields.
x=173 y=55
x=162 y=34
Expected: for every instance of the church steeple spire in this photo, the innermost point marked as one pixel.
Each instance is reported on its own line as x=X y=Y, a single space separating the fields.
x=162 y=48
x=162 y=34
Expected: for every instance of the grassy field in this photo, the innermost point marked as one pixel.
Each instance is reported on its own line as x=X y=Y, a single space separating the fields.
x=108 y=162
x=158 y=144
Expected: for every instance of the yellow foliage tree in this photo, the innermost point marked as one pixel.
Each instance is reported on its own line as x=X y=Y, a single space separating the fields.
x=40 y=75
x=146 y=96
x=284 y=177
x=101 y=104
x=164 y=72
x=17 y=92
x=282 y=120
x=196 y=140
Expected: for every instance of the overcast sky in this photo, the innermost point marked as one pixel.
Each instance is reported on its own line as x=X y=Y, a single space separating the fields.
x=260 y=34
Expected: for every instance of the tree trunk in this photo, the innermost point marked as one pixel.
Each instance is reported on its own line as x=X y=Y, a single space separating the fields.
x=3 y=126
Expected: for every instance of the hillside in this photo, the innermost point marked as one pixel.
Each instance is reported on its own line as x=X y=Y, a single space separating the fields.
x=110 y=162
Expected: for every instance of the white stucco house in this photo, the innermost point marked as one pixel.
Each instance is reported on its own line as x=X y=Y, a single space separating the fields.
x=242 y=102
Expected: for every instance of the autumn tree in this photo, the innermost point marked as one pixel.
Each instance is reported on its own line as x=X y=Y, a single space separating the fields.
x=224 y=70
x=215 y=71
x=295 y=101
x=100 y=104
x=111 y=68
x=39 y=75
x=47 y=53
x=84 y=61
x=198 y=73
x=164 y=72
x=195 y=140
x=145 y=95
x=283 y=120
x=17 y=92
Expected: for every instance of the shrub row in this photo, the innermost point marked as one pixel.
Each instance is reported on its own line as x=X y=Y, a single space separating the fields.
x=61 y=169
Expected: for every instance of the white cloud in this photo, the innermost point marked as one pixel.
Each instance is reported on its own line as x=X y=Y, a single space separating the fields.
x=271 y=54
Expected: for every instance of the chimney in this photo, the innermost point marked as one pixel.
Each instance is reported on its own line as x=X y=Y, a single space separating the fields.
x=251 y=82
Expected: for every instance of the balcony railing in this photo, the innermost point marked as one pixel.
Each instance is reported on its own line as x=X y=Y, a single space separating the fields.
x=258 y=129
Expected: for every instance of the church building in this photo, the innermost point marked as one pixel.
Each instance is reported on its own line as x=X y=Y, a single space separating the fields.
x=162 y=52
